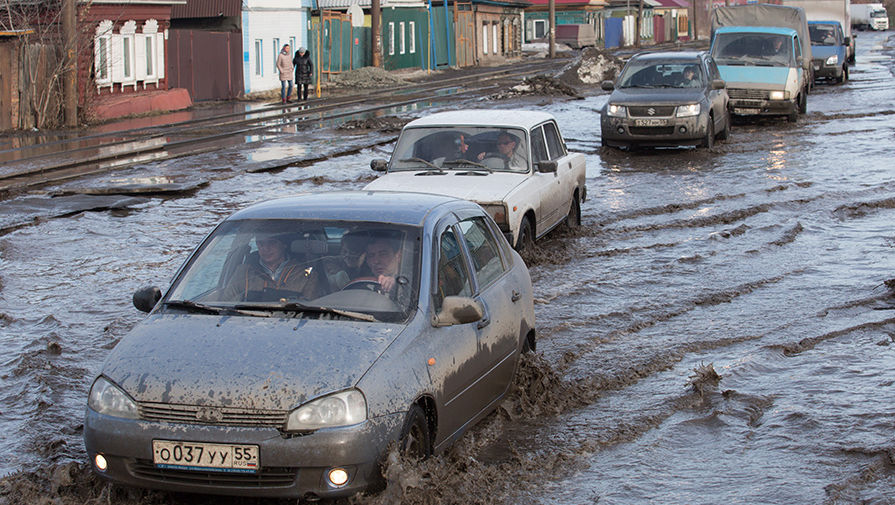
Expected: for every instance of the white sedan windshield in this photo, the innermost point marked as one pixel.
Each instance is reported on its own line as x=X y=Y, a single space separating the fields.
x=461 y=148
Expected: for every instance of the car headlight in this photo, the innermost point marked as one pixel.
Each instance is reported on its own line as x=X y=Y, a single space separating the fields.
x=498 y=213
x=107 y=398
x=833 y=60
x=688 y=110
x=339 y=409
x=616 y=110
x=778 y=95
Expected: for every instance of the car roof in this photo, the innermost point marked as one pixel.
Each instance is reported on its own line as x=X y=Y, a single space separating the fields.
x=757 y=29
x=671 y=55
x=394 y=207
x=499 y=118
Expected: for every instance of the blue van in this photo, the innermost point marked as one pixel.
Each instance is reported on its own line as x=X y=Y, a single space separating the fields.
x=829 y=47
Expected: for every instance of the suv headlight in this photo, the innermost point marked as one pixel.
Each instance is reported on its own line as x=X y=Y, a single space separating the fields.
x=338 y=409
x=688 y=110
x=616 y=110
x=107 y=398
x=833 y=60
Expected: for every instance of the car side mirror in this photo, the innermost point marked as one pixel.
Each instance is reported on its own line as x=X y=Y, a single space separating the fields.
x=547 y=167
x=146 y=298
x=847 y=41
x=718 y=84
x=799 y=61
x=458 y=310
x=379 y=165
x=607 y=85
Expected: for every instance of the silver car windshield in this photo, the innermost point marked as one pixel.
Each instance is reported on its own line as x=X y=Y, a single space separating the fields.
x=658 y=74
x=461 y=148
x=360 y=270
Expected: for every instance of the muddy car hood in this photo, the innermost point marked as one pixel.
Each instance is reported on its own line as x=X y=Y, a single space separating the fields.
x=492 y=187
x=656 y=96
x=246 y=362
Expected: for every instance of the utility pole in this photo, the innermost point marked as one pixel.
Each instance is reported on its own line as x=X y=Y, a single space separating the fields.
x=552 y=38
x=375 y=13
x=639 y=22
x=695 y=19
x=70 y=62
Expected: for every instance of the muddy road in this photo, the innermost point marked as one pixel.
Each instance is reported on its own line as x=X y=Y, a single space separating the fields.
x=720 y=330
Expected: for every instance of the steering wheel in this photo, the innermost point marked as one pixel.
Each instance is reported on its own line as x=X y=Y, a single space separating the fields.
x=367 y=283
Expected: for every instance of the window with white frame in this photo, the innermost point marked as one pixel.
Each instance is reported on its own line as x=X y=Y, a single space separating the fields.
x=102 y=54
x=276 y=51
x=128 y=53
x=540 y=26
x=292 y=46
x=495 y=39
x=412 y=37
x=150 y=55
x=259 y=53
x=402 y=46
x=391 y=38
x=484 y=38
x=150 y=58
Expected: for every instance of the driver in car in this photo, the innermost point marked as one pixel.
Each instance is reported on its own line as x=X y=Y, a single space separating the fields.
x=384 y=257
x=272 y=274
x=506 y=151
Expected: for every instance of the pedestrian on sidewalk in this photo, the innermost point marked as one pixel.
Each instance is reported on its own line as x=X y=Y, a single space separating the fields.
x=284 y=65
x=303 y=69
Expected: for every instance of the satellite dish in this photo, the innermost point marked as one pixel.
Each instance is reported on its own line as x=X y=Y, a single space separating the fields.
x=357 y=15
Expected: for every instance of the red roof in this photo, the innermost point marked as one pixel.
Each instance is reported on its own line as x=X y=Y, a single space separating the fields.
x=564 y=2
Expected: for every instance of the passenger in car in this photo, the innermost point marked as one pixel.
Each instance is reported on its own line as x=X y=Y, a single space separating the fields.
x=272 y=275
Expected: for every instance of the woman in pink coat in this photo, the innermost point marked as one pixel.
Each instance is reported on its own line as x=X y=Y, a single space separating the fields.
x=284 y=65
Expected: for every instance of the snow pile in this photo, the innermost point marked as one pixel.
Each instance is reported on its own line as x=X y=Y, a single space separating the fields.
x=537 y=85
x=593 y=66
x=366 y=77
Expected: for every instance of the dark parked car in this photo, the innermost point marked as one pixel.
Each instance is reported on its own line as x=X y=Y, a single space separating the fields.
x=666 y=99
x=305 y=335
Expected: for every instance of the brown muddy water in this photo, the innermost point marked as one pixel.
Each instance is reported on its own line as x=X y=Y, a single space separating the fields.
x=720 y=330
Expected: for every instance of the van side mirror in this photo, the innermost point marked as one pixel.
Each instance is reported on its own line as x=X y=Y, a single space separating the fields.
x=547 y=166
x=718 y=84
x=458 y=310
x=379 y=165
x=146 y=298
x=607 y=85
x=847 y=41
x=799 y=61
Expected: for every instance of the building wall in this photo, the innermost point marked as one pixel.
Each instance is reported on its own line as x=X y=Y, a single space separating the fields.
x=266 y=23
x=500 y=25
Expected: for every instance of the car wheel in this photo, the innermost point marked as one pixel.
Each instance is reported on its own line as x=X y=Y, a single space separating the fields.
x=709 y=141
x=526 y=236
x=415 y=437
x=803 y=103
x=725 y=132
x=573 y=220
x=845 y=73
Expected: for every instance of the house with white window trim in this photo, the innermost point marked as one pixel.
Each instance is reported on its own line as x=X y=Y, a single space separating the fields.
x=266 y=26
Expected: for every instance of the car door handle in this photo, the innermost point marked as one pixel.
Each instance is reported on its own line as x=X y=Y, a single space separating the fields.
x=485 y=321
x=516 y=296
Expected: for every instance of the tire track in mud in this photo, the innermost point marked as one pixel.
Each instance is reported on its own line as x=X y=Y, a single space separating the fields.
x=809 y=343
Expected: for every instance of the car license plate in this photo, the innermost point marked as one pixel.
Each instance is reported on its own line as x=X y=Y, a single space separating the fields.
x=202 y=456
x=746 y=111
x=650 y=122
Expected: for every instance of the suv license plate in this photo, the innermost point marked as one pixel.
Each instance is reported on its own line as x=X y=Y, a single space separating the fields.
x=202 y=456
x=650 y=122
x=746 y=111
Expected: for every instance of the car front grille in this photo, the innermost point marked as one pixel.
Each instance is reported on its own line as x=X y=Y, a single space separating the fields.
x=657 y=111
x=266 y=477
x=749 y=94
x=651 y=130
x=219 y=416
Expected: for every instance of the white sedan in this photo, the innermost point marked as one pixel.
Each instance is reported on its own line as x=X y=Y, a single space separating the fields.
x=513 y=163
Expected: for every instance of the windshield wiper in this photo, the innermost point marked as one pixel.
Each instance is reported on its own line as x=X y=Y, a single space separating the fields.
x=300 y=307
x=470 y=163
x=429 y=164
x=208 y=309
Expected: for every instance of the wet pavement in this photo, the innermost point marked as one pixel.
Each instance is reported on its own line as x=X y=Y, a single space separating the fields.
x=720 y=330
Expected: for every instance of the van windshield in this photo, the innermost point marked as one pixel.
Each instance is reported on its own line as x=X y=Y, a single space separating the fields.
x=753 y=49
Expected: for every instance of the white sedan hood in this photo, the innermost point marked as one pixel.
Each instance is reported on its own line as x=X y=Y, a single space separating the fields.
x=474 y=186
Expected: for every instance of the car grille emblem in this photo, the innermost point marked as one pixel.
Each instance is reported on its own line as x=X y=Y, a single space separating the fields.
x=209 y=415
x=651 y=111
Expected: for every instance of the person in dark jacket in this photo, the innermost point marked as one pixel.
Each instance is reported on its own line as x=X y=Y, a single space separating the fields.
x=303 y=69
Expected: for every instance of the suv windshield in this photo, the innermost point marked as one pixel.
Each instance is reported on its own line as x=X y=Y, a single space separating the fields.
x=753 y=49
x=639 y=73
x=360 y=270
x=461 y=148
